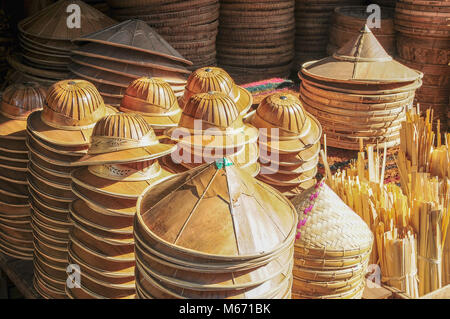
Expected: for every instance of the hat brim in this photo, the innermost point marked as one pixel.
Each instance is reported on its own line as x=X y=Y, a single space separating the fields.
x=167 y=163
x=119 y=189
x=289 y=159
x=126 y=156
x=157 y=122
x=12 y=129
x=245 y=101
x=58 y=136
x=13 y=146
x=287 y=180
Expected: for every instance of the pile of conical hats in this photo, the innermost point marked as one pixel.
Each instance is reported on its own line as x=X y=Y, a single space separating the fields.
x=120 y=164
x=214 y=232
x=332 y=247
x=423 y=34
x=45 y=40
x=190 y=26
x=114 y=57
x=210 y=128
x=57 y=137
x=289 y=143
x=256 y=40
x=359 y=92
x=312 y=23
x=18 y=101
x=154 y=99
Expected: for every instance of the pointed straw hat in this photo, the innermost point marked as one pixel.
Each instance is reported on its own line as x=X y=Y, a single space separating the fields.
x=155 y=100
x=71 y=110
x=220 y=120
x=122 y=138
x=209 y=79
x=18 y=101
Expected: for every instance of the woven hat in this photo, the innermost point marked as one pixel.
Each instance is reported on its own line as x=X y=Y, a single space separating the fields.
x=220 y=120
x=71 y=110
x=121 y=138
x=155 y=100
x=18 y=101
x=297 y=129
x=209 y=79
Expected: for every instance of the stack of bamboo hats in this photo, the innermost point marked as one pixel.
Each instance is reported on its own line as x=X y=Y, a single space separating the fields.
x=256 y=40
x=57 y=137
x=114 y=57
x=347 y=21
x=313 y=19
x=423 y=44
x=359 y=92
x=332 y=247
x=120 y=164
x=45 y=40
x=214 y=232
x=210 y=128
x=154 y=99
x=190 y=26
x=289 y=143
x=18 y=101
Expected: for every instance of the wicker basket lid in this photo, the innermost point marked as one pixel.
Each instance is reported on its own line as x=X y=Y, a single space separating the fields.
x=212 y=120
x=155 y=100
x=71 y=110
x=361 y=60
x=209 y=79
x=135 y=35
x=217 y=211
x=123 y=138
x=328 y=227
x=51 y=22
x=18 y=101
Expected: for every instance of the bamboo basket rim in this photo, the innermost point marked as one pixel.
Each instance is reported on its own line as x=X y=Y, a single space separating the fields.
x=345 y=295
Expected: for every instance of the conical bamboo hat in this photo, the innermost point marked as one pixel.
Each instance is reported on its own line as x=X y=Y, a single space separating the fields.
x=361 y=60
x=135 y=35
x=51 y=22
x=216 y=211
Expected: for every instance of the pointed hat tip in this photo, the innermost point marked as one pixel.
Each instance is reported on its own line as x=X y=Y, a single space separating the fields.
x=366 y=29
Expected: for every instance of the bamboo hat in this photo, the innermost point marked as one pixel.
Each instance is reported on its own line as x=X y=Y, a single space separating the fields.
x=209 y=79
x=18 y=101
x=361 y=60
x=121 y=138
x=297 y=129
x=155 y=100
x=220 y=123
x=71 y=110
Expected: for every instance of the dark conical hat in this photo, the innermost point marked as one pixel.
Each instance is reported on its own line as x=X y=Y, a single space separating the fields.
x=135 y=35
x=361 y=60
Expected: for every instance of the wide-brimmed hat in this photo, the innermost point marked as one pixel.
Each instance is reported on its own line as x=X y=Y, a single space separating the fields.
x=18 y=101
x=295 y=129
x=155 y=100
x=209 y=79
x=122 y=138
x=71 y=110
x=212 y=120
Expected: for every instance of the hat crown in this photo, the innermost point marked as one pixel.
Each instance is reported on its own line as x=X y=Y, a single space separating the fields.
x=210 y=79
x=76 y=101
x=23 y=98
x=154 y=91
x=213 y=107
x=123 y=125
x=284 y=111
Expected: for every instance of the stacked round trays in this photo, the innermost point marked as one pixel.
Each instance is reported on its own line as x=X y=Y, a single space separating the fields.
x=45 y=40
x=196 y=237
x=57 y=137
x=359 y=92
x=423 y=44
x=18 y=101
x=347 y=21
x=332 y=248
x=120 y=164
x=116 y=56
x=289 y=143
x=256 y=39
x=190 y=26
x=210 y=128
x=312 y=24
